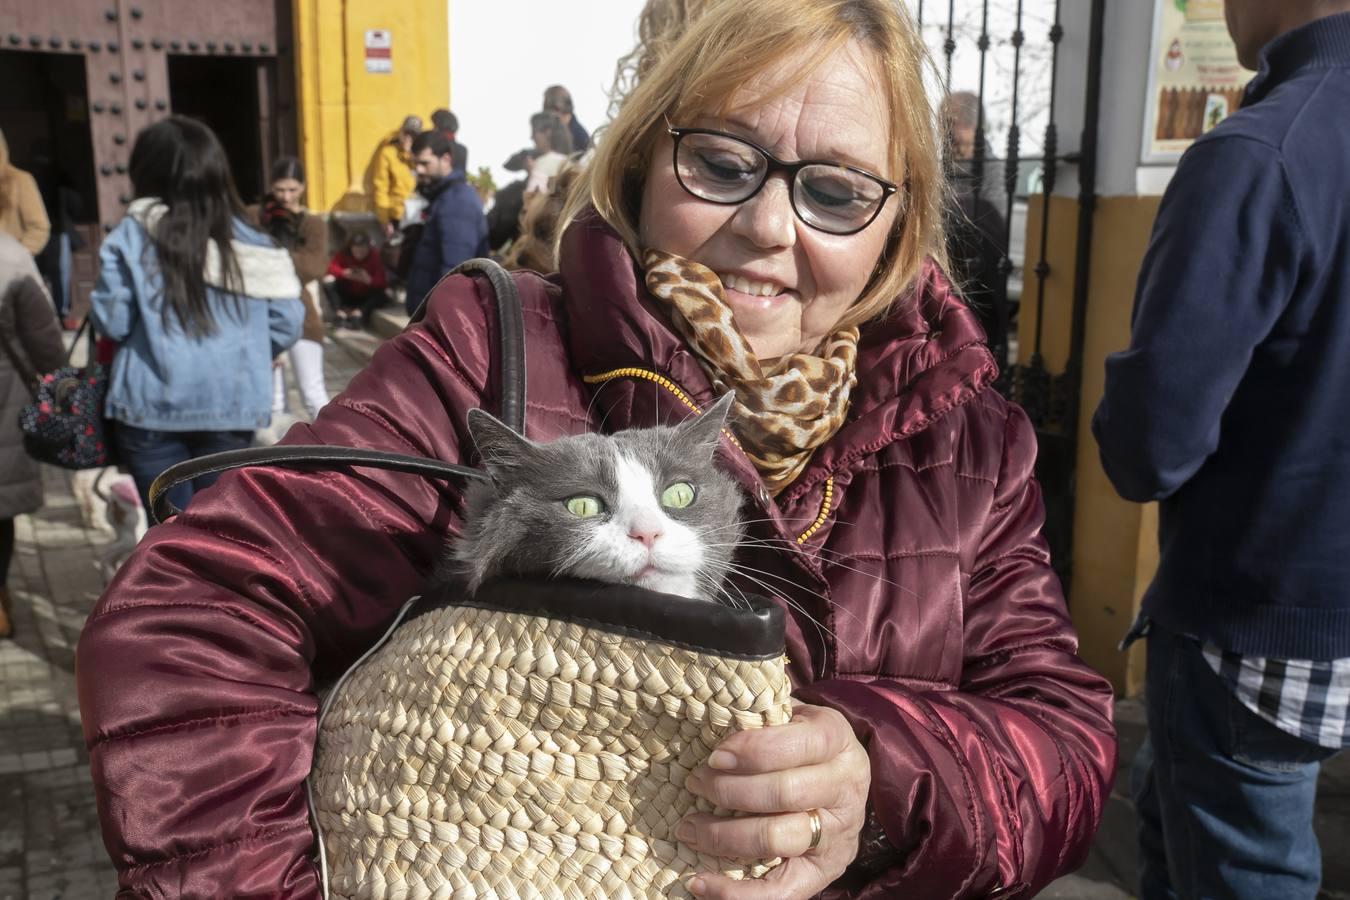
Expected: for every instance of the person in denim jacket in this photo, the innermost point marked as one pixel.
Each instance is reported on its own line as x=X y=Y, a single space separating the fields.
x=199 y=302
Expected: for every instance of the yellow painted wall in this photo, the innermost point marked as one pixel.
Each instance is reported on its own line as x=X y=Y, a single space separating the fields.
x=344 y=110
x=1115 y=543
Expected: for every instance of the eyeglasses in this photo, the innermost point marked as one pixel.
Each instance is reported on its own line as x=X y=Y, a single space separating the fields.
x=828 y=196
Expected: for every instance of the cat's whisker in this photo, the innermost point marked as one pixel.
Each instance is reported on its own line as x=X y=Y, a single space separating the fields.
x=775 y=543
x=769 y=522
x=779 y=594
x=571 y=560
x=719 y=591
x=743 y=568
x=727 y=584
x=749 y=607
x=590 y=406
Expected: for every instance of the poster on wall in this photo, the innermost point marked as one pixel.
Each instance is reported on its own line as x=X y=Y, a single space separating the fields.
x=1194 y=80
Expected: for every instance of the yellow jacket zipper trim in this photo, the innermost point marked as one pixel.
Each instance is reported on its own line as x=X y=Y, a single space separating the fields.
x=633 y=372
x=661 y=380
x=825 y=504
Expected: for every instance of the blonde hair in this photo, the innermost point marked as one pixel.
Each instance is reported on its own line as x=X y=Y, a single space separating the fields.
x=660 y=25
x=733 y=43
x=536 y=248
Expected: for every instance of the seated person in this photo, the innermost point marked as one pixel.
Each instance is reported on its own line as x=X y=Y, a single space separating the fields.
x=357 y=282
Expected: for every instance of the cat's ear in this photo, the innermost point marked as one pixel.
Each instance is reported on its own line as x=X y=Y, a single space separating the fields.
x=499 y=446
x=704 y=430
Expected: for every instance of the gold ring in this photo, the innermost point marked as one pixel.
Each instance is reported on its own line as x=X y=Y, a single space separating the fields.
x=814 y=816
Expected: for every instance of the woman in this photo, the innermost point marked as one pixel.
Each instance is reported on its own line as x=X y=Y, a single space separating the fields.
x=31 y=339
x=22 y=215
x=948 y=742
x=356 y=289
x=200 y=304
x=553 y=145
x=304 y=236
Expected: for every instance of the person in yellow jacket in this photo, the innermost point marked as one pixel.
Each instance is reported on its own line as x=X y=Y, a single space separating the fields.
x=389 y=177
x=22 y=214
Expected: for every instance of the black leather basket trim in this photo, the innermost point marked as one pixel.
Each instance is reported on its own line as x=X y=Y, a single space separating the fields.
x=698 y=625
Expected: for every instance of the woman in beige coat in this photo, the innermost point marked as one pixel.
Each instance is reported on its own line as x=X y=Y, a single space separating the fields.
x=31 y=336
x=22 y=215
x=283 y=216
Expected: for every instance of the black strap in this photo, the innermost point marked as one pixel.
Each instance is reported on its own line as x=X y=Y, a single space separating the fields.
x=511 y=365
x=510 y=337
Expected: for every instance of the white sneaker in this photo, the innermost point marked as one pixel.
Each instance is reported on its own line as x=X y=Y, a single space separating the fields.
x=276 y=430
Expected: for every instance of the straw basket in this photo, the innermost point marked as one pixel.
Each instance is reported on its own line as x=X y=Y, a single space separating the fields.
x=535 y=743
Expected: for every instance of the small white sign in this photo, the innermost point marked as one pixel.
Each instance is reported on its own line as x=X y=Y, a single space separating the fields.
x=379 y=51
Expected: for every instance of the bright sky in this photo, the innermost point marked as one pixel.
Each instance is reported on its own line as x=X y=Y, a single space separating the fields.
x=503 y=53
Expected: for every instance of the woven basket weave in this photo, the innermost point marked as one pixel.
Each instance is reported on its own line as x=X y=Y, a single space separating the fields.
x=498 y=752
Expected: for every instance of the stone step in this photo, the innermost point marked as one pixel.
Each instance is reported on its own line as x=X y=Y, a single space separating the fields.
x=384 y=324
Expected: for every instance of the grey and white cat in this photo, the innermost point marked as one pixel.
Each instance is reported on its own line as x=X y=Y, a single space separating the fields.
x=644 y=507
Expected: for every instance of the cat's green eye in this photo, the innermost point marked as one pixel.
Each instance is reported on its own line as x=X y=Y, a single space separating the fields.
x=585 y=506
x=678 y=495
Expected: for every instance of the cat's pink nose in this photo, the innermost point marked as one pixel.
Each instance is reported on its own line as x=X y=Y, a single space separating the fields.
x=644 y=536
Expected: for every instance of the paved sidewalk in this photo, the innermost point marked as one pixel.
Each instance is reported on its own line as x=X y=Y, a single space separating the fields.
x=49 y=840
x=49 y=837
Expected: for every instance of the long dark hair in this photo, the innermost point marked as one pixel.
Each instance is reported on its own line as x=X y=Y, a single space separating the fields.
x=180 y=161
x=288 y=167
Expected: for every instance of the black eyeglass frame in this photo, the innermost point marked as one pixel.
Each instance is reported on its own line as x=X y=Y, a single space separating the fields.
x=774 y=164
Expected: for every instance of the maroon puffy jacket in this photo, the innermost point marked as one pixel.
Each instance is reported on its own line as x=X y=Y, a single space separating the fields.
x=946 y=639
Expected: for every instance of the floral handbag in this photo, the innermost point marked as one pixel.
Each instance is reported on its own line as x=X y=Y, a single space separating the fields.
x=64 y=425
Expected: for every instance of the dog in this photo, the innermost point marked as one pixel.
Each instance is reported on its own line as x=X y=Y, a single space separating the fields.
x=125 y=517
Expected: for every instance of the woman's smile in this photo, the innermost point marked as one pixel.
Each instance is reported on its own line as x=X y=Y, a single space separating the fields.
x=761 y=308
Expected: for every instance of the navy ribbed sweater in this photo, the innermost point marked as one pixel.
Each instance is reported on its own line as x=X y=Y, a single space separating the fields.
x=1232 y=403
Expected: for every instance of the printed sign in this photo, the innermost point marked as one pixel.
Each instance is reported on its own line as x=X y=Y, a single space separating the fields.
x=1195 y=80
x=379 y=54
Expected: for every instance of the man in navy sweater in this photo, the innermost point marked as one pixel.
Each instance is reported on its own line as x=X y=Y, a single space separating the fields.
x=1231 y=407
x=454 y=228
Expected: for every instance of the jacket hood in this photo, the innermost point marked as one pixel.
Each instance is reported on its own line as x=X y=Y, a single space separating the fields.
x=267 y=270
x=921 y=360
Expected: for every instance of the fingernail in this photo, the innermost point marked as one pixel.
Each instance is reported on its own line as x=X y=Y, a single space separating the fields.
x=693 y=785
x=684 y=832
x=721 y=759
x=697 y=886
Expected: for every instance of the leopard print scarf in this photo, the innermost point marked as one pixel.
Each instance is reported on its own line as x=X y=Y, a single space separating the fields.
x=785 y=408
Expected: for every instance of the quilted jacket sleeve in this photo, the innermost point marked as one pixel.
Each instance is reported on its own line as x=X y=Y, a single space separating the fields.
x=1000 y=784
x=37 y=328
x=195 y=668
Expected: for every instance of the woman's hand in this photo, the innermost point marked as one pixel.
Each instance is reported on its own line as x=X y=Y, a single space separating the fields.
x=780 y=775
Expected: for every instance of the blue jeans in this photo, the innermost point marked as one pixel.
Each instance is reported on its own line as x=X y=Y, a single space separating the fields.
x=1224 y=799
x=147 y=453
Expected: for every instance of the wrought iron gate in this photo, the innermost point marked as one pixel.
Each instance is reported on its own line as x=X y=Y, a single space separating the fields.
x=952 y=28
